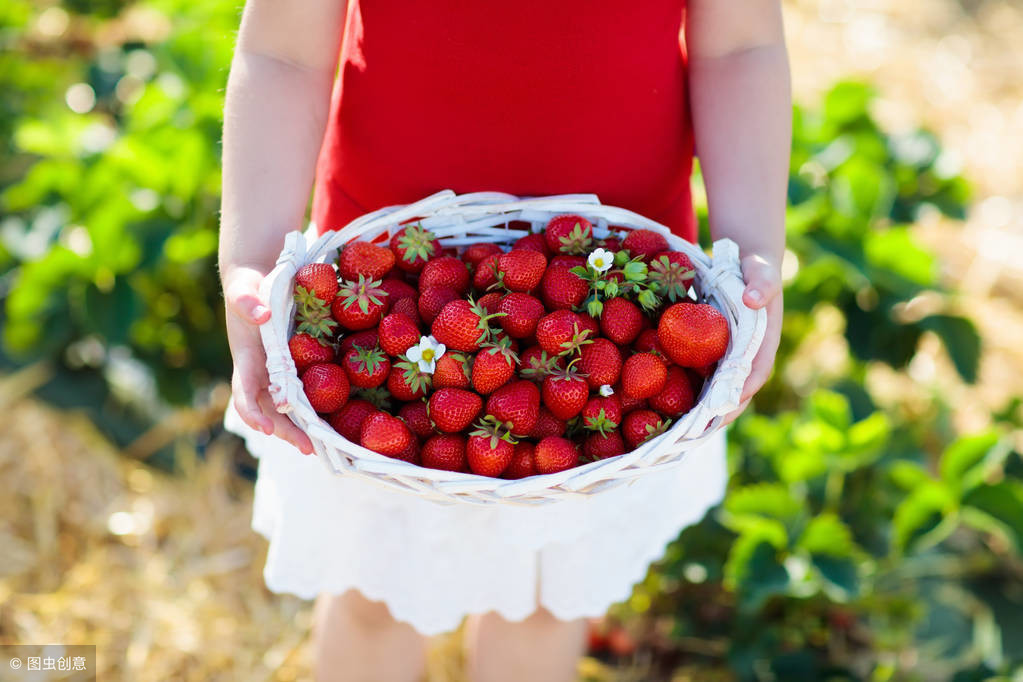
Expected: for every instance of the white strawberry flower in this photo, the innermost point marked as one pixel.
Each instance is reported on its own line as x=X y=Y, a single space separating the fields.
x=601 y=260
x=426 y=353
x=606 y=390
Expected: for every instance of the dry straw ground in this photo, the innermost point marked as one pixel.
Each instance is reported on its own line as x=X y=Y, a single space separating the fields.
x=163 y=573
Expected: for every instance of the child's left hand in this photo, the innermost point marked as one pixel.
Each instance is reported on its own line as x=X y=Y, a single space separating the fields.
x=763 y=290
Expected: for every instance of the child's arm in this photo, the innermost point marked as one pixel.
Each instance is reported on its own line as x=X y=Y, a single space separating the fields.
x=742 y=120
x=275 y=114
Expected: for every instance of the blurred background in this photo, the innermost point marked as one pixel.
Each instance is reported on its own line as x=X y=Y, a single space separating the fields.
x=874 y=524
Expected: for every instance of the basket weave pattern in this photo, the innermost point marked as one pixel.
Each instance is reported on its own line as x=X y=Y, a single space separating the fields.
x=460 y=220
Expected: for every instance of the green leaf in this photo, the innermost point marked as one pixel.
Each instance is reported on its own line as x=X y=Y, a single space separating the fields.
x=840 y=575
x=767 y=500
x=961 y=341
x=847 y=102
x=908 y=475
x=827 y=535
x=1002 y=501
x=964 y=454
x=896 y=250
x=831 y=408
x=756 y=570
x=920 y=519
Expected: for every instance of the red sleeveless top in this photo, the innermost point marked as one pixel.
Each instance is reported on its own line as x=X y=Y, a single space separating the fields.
x=530 y=97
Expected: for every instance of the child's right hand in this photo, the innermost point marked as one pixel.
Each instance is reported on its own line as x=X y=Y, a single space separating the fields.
x=249 y=382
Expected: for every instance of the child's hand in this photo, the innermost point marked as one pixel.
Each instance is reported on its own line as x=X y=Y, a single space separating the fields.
x=763 y=289
x=249 y=382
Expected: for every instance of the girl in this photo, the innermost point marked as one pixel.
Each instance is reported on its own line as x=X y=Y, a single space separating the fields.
x=530 y=98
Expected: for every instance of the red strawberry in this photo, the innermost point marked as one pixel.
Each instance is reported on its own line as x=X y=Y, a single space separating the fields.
x=367 y=338
x=396 y=289
x=453 y=371
x=569 y=234
x=602 y=413
x=535 y=363
x=559 y=333
x=410 y=454
x=319 y=279
x=366 y=368
x=453 y=409
x=475 y=253
x=359 y=305
x=547 y=425
x=488 y=451
x=312 y=315
x=461 y=325
x=491 y=302
x=676 y=397
x=385 y=434
x=611 y=243
x=446 y=271
x=493 y=367
x=516 y=405
x=643 y=375
x=567 y=262
x=588 y=322
x=641 y=425
x=348 y=420
x=533 y=242
x=630 y=404
x=326 y=386
x=645 y=244
x=671 y=273
x=693 y=334
x=522 y=463
x=647 y=343
x=406 y=381
x=307 y=350
x=364 y=259
x=413 y=246
x=562 y=289
x=621 y=321
x=397 y=334
x=521 y=313
x=564 y=393
x=521 y=270
x=432 y=300
x=407 y=306
x=603 y=445
x=554 y=454
x=445 y=452
x=485 y=275
x=601 y=362
x=417 y=416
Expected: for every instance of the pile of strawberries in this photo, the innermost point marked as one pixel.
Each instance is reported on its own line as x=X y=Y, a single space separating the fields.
x=563 y=350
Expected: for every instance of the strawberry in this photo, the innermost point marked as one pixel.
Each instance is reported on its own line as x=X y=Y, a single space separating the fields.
x=417 y=416
x=671 y=274
x=602 y=413
x=547 y=425
x=533 y=242
x=307 y=350
x=407 y=306
x=535 y=363
x=567 y=262
x=366 y=368
x=396 y=289
x=516 y=405
x=432 y=300
x=588 y=322
x=379 y=397
x=326 y=386
x=676 y=397
x=562 y=289
x=571 y=234
x=410 y=454
x=362 y=258
x=643 y=375
x=453 y=371
x=641 y=425
x=385 y=434
x=488 y=450
x=647 y=342
x=359 y=305
x=461 y=325
x=493 y=367
x=312 y=315
x=406 y=381
x=367 y=338
x=630 y=404
x=413 y=246
x=521 y=270
x=522 y=463
x=521 y=313
x=319 y=279
x=554 y=454
x=491 y=302
x=565 y=392
x=475 y=253
x=621 y=321
x=348 y=420
x=644 y=244
x=601 y=362
x=603 y=445
x=610 y=243
x=445 y=452
x=485 y=275
x=693 y=334
x=559 y=333
x=446 y=271
x=397 y=334
x=453 y=409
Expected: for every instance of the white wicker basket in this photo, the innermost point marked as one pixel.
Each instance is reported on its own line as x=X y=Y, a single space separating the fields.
x=459 y=220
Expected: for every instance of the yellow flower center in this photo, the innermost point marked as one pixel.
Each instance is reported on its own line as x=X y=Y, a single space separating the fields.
x=428 y=355
x=598 y=262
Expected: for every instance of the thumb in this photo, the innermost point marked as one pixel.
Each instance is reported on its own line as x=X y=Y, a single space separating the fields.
x=763 y=281
x=241 y=290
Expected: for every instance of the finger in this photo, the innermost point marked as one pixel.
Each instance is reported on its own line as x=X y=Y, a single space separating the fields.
x=763 y=362
x=733 y=415
x=284 y=428
x=247 y=384
x=241 y=291
x=763 y=282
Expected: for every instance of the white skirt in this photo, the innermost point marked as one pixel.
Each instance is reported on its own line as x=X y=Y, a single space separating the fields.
x=433 y=564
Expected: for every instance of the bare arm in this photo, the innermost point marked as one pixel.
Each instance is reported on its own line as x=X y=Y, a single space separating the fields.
x=275 y=114
x=742 y=119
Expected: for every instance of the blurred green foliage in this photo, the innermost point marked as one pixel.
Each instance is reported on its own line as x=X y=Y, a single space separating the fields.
x=856 y=542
